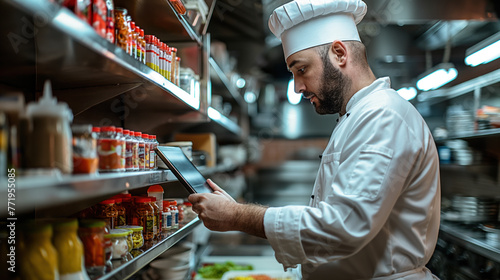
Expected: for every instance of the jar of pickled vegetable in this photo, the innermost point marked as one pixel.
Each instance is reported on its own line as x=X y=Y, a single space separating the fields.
x=106 y=210
x=39 y=259
x=121 y=219
x=119 y=243
x=70 y=249
x=137 y=236
x=121 y=28
x=91 y=233
x=143 y=215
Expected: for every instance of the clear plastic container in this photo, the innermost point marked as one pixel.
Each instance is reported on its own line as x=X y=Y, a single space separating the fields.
x=119 y=243
x=152 y=153
x=122 y=142
x=147 y=149
x=106 y=210
x=70 y=249
x=91 y=233
x=142 y=215
x=85 y=159
x=109 y=149
x=141 y=150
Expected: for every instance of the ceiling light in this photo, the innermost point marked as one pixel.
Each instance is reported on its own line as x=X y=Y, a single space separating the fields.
x=250 y=97
x=484 y=51
x=437 y=76
x=240 y=83
x=293 y=97
x=407 y=93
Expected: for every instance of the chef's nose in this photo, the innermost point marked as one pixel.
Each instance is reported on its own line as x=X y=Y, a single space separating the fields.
x=299 y=86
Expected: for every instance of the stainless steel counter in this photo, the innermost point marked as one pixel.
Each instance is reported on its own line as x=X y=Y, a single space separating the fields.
x=473 y=239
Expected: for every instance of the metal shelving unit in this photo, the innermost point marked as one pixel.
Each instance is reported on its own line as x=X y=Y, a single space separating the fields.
x=495 y=132
x=125 y=270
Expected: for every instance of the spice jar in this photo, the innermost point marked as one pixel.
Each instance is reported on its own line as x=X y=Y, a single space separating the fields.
x=109 y=149
x=137 y=236
x=106 y=210
x=157 y=218
x=119 y=243
x=121 y=141
x=167 y=217
x=85 y=160
x=91 y=233
x=143 y=215
x=175 y=214
x=121 y=28
x=70 y=249
x=39 y=258
x=152 y=154
x=121 y=213
x=135 y=150
x=142 y=150
x=147 y=148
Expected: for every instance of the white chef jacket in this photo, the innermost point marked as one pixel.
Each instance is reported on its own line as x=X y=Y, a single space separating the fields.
x=375 y=205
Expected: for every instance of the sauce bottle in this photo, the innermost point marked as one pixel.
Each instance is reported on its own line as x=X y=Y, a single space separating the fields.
x=48 y=135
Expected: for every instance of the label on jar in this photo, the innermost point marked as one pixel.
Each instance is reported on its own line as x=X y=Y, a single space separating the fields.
x=142 y=156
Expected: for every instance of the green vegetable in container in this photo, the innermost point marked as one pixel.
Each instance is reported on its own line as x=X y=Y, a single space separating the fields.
x=216 y=270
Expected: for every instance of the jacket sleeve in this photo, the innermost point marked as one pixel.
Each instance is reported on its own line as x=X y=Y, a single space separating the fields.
x=362 y=186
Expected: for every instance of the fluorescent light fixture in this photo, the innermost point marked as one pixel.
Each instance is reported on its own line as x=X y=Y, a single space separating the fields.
x=214 y=114
x=407 y=93
x=437 y=76
x=484 y=51
x=293 y=97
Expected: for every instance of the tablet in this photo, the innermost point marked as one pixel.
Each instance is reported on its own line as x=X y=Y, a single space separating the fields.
x=183 y=169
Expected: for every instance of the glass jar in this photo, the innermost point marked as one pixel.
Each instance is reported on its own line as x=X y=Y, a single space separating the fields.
x=152 y=154
x=70 y=249
x=143 y=215
x=106 y=210
x=119 y=243
x=157 y=218
x=135 y=151
x=121 y=141
x=121 y=28
x=141 y=150
x=130 y=238
x=129 y=150
x=175 y=214
x=109 y=150
x=137 y=235
x=147 y=149
x=91 y=233
x=121 y=213
x=39 y=256
x=85 y=160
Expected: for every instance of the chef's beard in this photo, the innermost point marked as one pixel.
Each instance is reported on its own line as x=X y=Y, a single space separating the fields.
x=334 y=85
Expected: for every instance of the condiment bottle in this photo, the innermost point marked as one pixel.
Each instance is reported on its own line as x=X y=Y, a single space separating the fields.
x=167 y=217
x=121 y=34
x=162 y=62
x=110 y=21
x=142 y=147
x=173 y=64
x=48 y=142
x=156 y=219
x=39 y=258
x=135 y=150
x=150 y=52
x=109 y=150
x=131 y=40
x=147 y=149
x=143 y=215
x=168 y=58
x=106 y=210
x=143 y=46
x=175 y=214
x=135 y=53
x=121 y=141
x=177 y=70
x=85 y=159
x=152 y=154
x=91 y=233
x=70 y=250
x=129 y=151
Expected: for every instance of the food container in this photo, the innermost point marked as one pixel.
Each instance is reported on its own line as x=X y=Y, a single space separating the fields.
x=85 y=159
x=91 y=233
x=137 y=237
x=259 y=274
x=119 y=243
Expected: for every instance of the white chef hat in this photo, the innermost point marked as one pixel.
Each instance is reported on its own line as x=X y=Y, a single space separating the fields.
x=302 y=24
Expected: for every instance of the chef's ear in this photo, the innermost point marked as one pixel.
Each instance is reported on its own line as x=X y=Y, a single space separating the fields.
x=339 y=51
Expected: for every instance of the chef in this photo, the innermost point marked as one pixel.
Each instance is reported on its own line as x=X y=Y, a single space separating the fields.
x=374 y=210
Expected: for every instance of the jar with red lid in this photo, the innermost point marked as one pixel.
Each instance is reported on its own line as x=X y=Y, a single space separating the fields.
x=109 y=149
x=147 y=148
x=135 y=150
x=121 y=140
x=91 y=233
x=110 y=21
x=143 y=215
x=121 y=28
x=106 y=211
x=141 y=151
x=129 y=146
x=121 y=212
x=152 y=154
x=157 y=218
